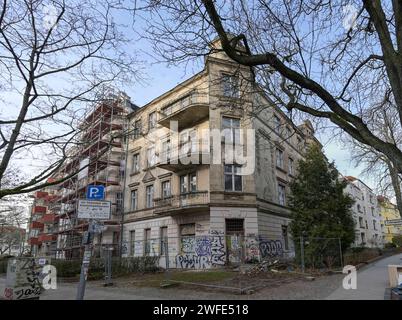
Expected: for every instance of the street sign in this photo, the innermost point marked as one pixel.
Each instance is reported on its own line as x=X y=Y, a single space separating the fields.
x=394 y=222
x=92 y=209
x=96 y=227
x=96 y=192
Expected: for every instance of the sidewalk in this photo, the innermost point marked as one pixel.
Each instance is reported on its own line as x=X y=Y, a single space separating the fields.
x=372 y=281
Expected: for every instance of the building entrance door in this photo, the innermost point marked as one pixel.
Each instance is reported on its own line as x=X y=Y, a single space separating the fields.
x=234 y=240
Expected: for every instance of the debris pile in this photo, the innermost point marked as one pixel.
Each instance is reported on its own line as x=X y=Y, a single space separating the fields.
x=267 y=266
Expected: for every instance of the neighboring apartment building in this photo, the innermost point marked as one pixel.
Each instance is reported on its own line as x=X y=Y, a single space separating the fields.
x=389 y=211
x=100 y=157
x=366 y=213
x=211 y=212
x=42 y=235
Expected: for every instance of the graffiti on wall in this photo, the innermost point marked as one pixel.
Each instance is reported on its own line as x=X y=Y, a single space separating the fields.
x=202 y=252
x=234 y=245
x=218 y=256
x=270 y=248
x=252 y=249
x=203 y=246
x=192 y=261
x=188 y=245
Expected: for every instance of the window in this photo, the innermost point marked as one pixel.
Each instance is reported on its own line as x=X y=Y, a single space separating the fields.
x=164 y=240
x=150 y=196
x=188 y=183
x=188 y=142
x=372 y=211
x=132 y=242
x=134 y=200
x=193 y=182
x=230 y=86
x=119 y=201
x=285 y=237
x=151 y=157
x=234 y=227
x=136 y=163
x=166 y=153
x=359 y=208
x=147 y=242
x=361 y=222
x=366 y=224
x=281 y=194
x=299 y=143
x=291 y=166
x=233 y=179
x=183 y=184
x=231 y=129
x=279 y=158
x=137 y=129
x=166 y=189
x=152 y=120
x=277 y=124
x=374 y=225
x=363 y=237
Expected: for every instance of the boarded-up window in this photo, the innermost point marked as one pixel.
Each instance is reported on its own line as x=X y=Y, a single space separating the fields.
x=187 y=236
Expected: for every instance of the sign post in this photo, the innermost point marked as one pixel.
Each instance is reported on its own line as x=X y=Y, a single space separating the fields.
x=93 y=209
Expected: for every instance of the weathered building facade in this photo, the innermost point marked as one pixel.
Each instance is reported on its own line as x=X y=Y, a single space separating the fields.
x=389 y=212
x=368 y=221
x=191 y=201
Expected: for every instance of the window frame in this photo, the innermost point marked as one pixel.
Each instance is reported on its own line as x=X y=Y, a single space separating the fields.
x=134 y=192
x=233 y=174
x=281 y=187
x=151 y=204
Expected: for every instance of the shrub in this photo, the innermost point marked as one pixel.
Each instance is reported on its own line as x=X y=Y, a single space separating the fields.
x=397 y=240
x=390 y=245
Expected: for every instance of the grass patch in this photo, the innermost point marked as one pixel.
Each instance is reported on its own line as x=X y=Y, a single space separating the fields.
x=155 y=280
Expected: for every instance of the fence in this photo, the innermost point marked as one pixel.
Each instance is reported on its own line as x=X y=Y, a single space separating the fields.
x=210 y=251
x=318 y=253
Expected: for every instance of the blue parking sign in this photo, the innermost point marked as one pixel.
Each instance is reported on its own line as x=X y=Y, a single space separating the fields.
x=96 y=192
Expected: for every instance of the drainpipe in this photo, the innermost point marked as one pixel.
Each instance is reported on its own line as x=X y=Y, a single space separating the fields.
x=125 y=133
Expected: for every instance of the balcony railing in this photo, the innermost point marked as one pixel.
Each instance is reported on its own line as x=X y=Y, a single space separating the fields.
x=184 y=155
x=190 y=199
x=187 y=110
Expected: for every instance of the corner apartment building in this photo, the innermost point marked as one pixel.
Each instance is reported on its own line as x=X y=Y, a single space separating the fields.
x=211 y=212
x=42 y=237
x=99 y=159
x=389 y=211
x=368 y=220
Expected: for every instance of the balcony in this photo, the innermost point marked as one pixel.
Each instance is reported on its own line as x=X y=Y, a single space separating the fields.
x=187 y=111
x=48 y=218
x=179 y=203
x=184 y=157
x=47 y=237
x=34 y=241
x=38 y=209
x=36 y=225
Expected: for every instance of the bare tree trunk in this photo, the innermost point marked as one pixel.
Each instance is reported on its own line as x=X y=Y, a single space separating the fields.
x=396 y=184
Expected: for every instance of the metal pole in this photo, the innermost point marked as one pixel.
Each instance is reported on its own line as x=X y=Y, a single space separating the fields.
x=302 y=253
x=85 y=264
x=340 y=251
x=123 y=197
x=84 y=272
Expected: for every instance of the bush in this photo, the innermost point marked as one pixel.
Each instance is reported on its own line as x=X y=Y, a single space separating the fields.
x=358 y=255
x=389 y=245
x=397 y=241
